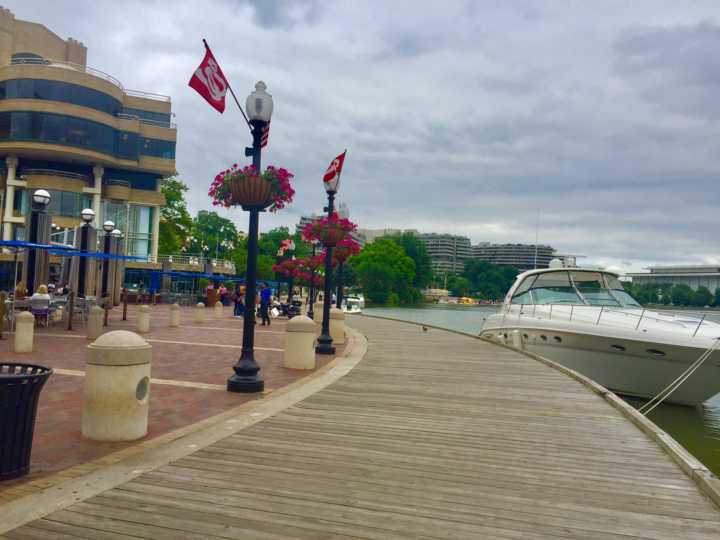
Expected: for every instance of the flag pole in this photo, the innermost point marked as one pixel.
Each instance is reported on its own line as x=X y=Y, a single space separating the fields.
x=232 y=93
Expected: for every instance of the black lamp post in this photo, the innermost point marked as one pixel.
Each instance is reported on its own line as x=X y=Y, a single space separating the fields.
x=259 y=107
x=87 y=238
x=37 y=224
x=311 y=292
x=108 y=227
x=324 y=342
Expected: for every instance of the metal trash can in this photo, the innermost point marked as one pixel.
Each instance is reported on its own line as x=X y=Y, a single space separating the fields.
x=20 y=387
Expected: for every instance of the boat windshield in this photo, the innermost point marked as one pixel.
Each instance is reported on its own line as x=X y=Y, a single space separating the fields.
x=573 y=287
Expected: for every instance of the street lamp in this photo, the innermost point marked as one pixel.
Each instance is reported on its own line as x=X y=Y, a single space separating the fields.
x=324 y=341
x=108 y=227
x=38 y=225
x=259 y=108
x=87 y=215
x=41 y=198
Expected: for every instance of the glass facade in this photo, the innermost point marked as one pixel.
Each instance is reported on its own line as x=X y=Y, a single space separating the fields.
x=68 y=203
x=162 y=119
x=68 y=130
x=59 y=91
x=135 y=221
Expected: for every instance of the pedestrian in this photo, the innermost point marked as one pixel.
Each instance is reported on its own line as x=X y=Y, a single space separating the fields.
x=265 y=297
x=223 y=292
x=237 y=297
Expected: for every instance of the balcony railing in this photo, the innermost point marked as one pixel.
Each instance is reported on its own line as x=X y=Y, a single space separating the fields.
x=158 y=123
x=193 y=260
x=54 y=172
x=61 y=64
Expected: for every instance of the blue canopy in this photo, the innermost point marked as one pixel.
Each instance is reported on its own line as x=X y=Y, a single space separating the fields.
x=20 y=244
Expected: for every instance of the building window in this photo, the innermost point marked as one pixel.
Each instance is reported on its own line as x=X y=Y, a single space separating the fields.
x=160 y=119
x=140 y=231
x=60 y=129
x=157 y=148
x=67 y=203
x=59 y=91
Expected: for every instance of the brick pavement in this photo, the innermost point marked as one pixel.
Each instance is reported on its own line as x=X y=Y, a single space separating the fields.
x=206 y=355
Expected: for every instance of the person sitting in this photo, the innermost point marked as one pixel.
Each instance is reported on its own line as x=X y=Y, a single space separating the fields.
x=20 y=291
x=41 y=293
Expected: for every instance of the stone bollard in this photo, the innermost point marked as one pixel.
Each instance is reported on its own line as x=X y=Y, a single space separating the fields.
x=174 y=316
x=300 y=343
x=95 y=322
x=24 y=332
x=144 y=320
x=218 y=310
x=117 y=387
x=200 y=312
x=318 y=312
x=337 y=326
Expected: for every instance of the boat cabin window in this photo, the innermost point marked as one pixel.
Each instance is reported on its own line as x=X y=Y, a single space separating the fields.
x=592 y=288
x=618 y=291
x=549 y=288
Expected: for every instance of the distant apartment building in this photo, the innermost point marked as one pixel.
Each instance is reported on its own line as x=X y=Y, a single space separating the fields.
x=693 y=276
x=520 y=256
x=448 y=252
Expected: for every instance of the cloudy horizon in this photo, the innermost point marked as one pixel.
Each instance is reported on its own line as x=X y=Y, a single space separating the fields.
x=591 y=126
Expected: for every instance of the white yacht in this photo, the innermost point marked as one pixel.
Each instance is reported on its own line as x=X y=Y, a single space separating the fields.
x=584 y=319
x=353 y=303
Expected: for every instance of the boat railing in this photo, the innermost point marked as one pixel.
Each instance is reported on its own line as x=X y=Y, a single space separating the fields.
x=586 y=314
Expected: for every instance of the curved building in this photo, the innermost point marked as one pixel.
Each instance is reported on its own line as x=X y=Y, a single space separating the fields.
x=80 y=134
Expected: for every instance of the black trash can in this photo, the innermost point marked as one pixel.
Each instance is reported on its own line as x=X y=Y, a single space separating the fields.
x=20 y=387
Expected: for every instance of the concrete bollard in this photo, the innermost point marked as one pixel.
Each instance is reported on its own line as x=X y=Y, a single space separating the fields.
x=24 y=332
x=174 y=316
x=337 y=326
x=95 y=322
x=318 y=312
x=143 y=323
x=300 y=343
x=117 y=387
x=200 y=312
x=218 y=310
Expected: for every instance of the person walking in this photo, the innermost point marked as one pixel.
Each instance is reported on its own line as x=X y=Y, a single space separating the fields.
x=223 y=292
x=265 y=297
x=237 y=297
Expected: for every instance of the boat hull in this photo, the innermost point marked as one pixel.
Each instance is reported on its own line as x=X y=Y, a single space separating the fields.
x=634 y=367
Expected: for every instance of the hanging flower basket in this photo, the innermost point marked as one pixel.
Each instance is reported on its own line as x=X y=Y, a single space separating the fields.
x=244 y=187
x=346 y=248
x=328 y=230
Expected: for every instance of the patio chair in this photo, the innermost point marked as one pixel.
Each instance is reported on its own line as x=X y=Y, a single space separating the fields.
x=40 y=308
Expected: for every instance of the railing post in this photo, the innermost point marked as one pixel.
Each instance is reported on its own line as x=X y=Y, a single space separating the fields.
x=699 y=325
x=551 y=306
x=639 y=320
x=572 y=308
x=600 y=315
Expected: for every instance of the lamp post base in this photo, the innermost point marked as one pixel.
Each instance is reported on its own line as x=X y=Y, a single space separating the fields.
x=324 y=345
x=246 y=380
x=245 y=385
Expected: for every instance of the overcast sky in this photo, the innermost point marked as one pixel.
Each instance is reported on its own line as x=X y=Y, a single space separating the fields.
x=594 y=123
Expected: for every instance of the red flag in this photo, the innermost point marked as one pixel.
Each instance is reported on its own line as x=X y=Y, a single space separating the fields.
x=265 y=136
x=210 y=82
x=332 y=174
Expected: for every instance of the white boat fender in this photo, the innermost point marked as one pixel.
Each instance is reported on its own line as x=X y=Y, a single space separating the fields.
x=517 y=340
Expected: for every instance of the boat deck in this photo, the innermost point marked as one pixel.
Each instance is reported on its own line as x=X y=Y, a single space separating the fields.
x=432 y=435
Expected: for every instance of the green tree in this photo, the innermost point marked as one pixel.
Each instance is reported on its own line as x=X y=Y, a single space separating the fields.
x=682 y=295
x=702 y=296
x=647 y=293
x=383 y=269
x=212 y=234
x=488 y=280
x=459 y=286
x=415 y=249
x=175 y=220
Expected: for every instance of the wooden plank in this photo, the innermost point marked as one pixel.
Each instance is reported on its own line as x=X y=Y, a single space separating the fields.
x=433 y=435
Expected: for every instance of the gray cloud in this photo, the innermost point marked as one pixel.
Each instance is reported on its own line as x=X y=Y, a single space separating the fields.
x=481 y=118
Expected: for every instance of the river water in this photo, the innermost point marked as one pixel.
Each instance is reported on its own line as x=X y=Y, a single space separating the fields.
x=697 y=429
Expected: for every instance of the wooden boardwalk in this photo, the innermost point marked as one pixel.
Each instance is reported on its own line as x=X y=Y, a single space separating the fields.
x=433 y=435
